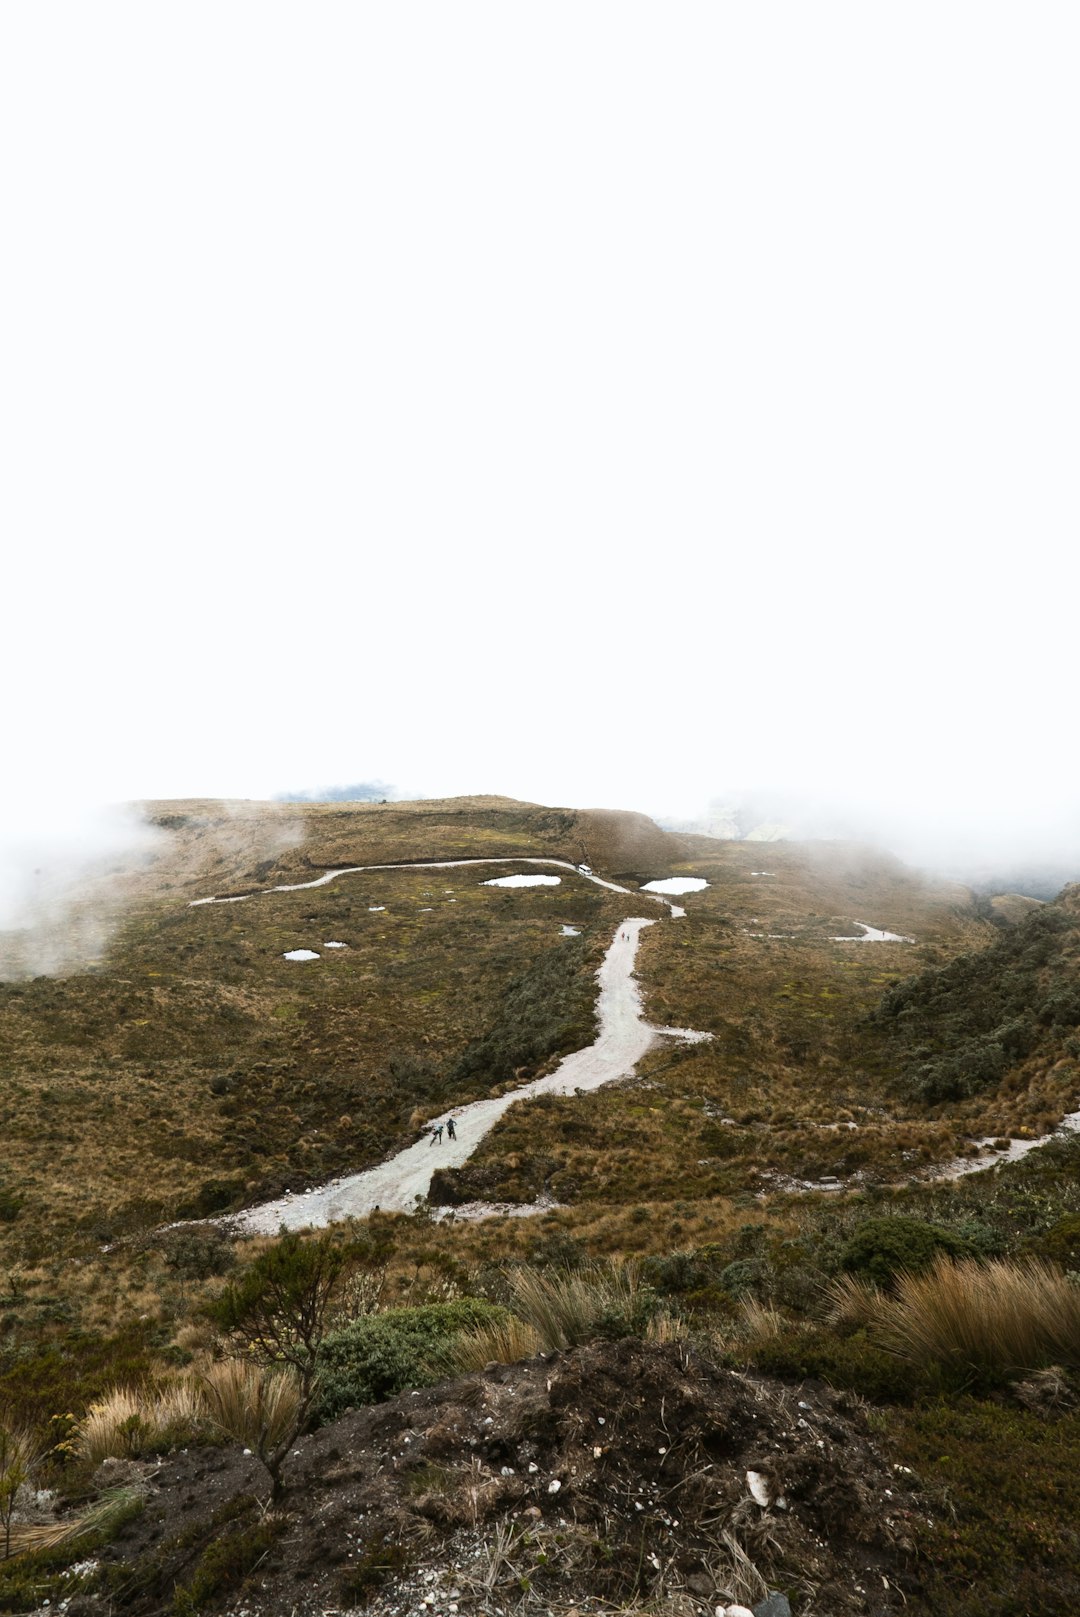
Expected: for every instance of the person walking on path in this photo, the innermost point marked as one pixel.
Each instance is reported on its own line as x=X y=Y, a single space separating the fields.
x=451 y=1131
x=436 y=1134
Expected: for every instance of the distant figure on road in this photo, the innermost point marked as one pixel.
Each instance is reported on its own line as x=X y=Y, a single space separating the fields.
x=436 y=1134
x=451 y=1131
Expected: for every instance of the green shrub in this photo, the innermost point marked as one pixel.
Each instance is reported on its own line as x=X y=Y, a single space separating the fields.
x=226 y=1563
x=382 y=1354
x=854 y=1363
x=547 y=1011
x=1061 y=1242
x=881 y=1248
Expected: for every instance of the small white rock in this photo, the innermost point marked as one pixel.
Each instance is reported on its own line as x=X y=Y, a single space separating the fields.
x=554 y=1485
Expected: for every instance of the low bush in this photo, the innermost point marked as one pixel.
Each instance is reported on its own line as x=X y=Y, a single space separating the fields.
x=546 y=1011
x=856 y=1363
x=1003 y=1542
x=368 y=1574
x=1061 y=1242
x=382 y=1354
x=225 y=1564
x=881 y=1248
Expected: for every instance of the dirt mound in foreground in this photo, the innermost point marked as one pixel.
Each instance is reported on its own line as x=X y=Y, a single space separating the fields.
x=613 y=1473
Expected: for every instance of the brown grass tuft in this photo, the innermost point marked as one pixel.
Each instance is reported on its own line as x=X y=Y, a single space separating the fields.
x=503 y=1342
x=564 y=1308
x=130 y=1421
x=853 y=1304
x=250 y=1403
x=1000 y=1317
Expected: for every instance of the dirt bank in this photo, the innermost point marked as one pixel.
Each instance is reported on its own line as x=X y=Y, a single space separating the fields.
x=613 y=1474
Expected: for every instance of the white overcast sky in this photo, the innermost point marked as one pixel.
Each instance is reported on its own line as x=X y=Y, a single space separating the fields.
x=597 y=403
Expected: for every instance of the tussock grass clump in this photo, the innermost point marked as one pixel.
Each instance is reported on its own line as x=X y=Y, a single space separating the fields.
x=667 y=1327
x=130 y=1421
x=567 y=1308
x=101 y=1522
x=502 y=1341
x=853 y=1303
x=988 y=1320
x=761 y=1322
x=253 y=1404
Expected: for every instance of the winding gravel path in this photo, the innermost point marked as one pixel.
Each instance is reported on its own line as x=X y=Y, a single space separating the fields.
x=400 y=1183
x=436 y=864
x=397 y=1185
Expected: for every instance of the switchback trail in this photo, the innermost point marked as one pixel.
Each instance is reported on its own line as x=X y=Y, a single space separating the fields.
x=398 y=1184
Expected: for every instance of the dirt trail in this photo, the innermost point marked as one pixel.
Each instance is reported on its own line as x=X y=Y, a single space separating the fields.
x=435 y=864
x=397 y=1185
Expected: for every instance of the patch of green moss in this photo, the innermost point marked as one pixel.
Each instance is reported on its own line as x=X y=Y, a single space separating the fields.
x=1003 y=1534
x=225 y=1564
x=366 y=1576
x=811 y=1352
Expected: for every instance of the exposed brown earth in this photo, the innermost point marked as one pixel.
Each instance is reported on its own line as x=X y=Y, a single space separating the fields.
x=610 y=1474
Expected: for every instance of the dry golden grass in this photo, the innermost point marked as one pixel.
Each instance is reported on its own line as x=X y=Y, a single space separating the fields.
x=760 y=1322
x=999 y=1317
x=100 y=1518
x=667 y=1327
x=251 y=1404
x=503 y=1342
x=564 y=1309
x=853 y=1304
x=132 y=1420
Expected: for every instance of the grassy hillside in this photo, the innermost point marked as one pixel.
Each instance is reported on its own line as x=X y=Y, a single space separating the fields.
x=190 y=1067
x=794 y=1083
x=193 y=1067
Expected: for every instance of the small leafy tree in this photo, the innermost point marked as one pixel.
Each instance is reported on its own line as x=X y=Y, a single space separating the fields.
x=18 y=1456
x=277 y=1312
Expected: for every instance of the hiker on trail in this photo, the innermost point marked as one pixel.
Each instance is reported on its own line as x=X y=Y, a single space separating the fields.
x=436 y=1134
x=451 y=1131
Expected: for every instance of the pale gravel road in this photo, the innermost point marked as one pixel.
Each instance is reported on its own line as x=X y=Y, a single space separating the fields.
x=438 y=864
x=397 y=1185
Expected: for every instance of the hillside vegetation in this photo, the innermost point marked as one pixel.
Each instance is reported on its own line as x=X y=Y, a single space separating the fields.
x=926 y=1329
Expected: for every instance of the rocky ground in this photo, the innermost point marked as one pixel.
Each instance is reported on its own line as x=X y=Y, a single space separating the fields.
x=613 y=1474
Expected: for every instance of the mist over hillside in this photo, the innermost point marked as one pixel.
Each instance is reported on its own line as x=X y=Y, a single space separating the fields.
x=1035 y=854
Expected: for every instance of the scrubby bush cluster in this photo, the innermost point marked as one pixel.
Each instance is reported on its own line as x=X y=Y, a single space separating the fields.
x=548 y=1010
x=376 y=1356
x=958 y=1028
